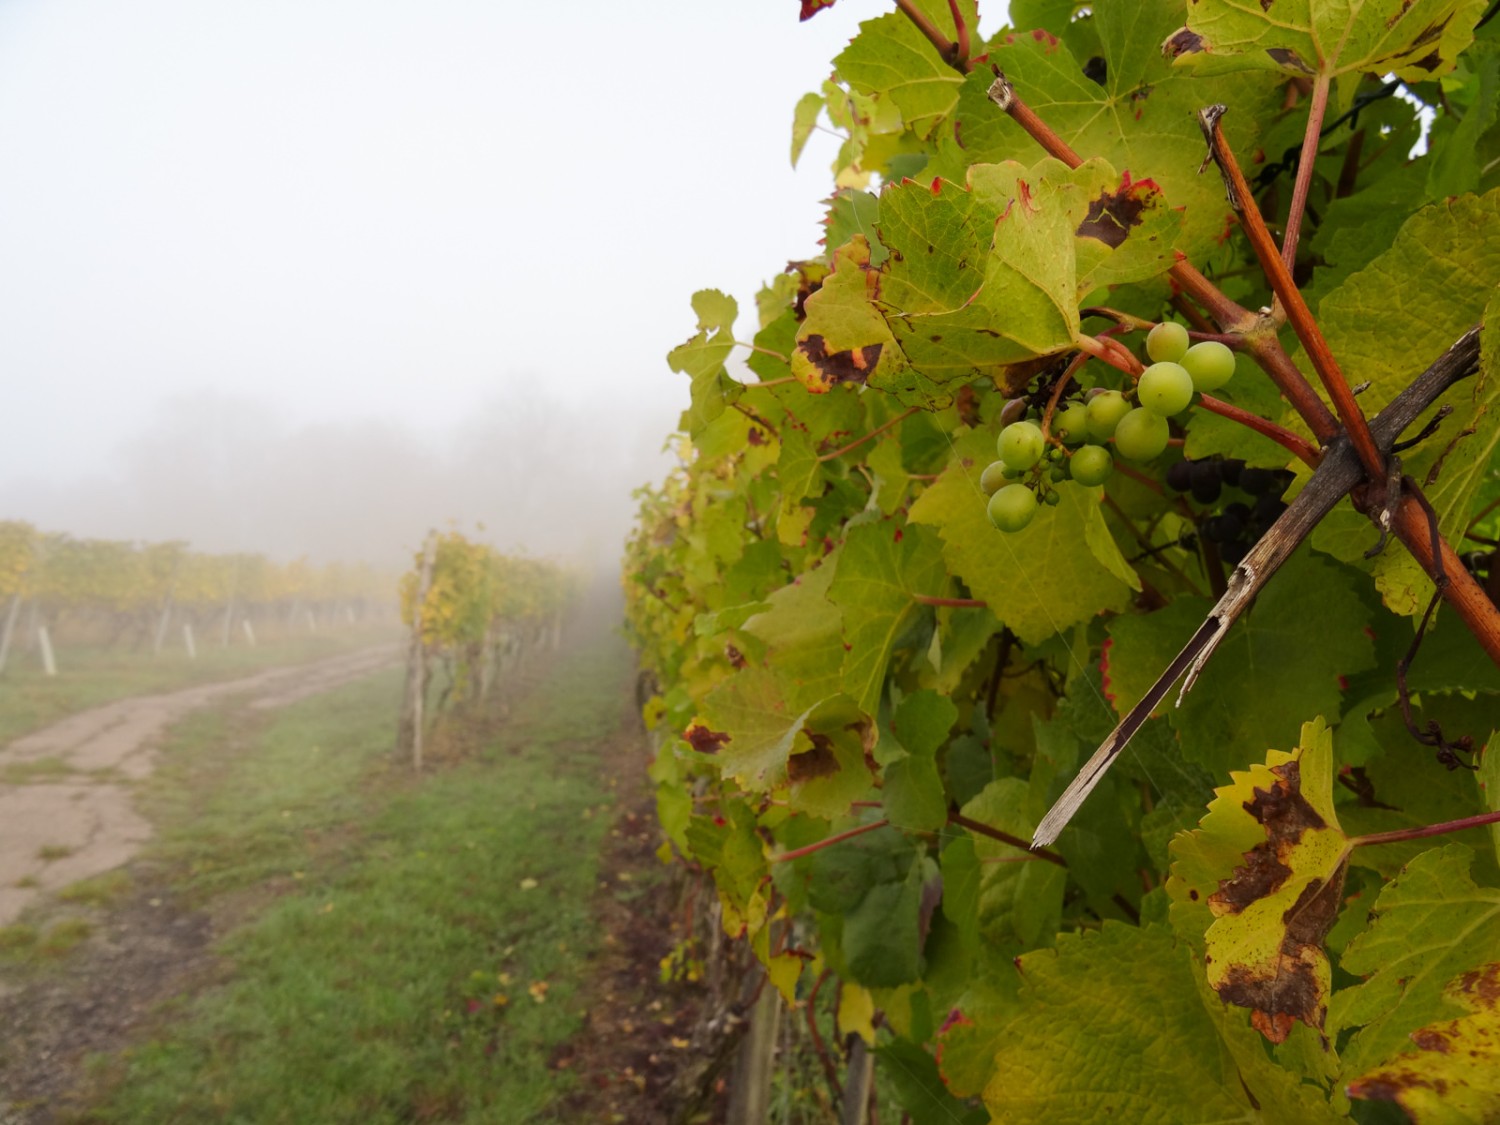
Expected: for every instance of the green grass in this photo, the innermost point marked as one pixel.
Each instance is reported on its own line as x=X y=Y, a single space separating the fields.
x=38 y=769
x=101 y=890
x=91 y=676
x=393 y=969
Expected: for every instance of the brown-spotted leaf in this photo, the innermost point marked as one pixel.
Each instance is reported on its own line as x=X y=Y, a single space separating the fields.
x=1418 y=39
x=1271 y=903
x=1452 y=1072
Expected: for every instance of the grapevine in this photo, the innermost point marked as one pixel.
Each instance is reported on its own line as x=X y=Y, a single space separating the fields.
x=1034 y=314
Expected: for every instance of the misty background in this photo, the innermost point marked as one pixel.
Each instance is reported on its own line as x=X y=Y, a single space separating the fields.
x=312 y=276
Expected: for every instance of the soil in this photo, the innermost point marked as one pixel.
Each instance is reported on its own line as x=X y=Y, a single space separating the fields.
x=635 y=1055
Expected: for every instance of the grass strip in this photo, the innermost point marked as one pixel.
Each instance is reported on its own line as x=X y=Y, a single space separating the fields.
x=417 y=953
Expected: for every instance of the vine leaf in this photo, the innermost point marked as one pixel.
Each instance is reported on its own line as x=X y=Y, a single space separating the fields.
x=1264 y=949
x=914 y=796
x=979 y=276
x=1113 y=1026
x=1139 y=118
x=843 y=338
x=881 y=567
x=1429 y=925
x=1453 y=1072
x=892 y=62
x=1418 y=39
x=702 y=358
x=1036 y=581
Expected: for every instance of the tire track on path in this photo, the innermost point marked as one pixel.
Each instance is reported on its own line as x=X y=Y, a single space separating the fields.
x=77 y=818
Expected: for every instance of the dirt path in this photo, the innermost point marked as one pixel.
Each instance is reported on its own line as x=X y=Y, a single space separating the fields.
x=66 y=810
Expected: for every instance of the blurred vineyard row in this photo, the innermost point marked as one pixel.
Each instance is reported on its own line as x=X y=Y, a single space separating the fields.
x=121 y=592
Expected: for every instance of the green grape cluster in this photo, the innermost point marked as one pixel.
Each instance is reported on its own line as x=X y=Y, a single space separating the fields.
x=1027 y=468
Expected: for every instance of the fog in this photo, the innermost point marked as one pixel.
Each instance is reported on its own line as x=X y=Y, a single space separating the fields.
x=524 y=472
x=308 y=277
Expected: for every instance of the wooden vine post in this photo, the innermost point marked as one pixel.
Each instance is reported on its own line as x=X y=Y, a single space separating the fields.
x=8 y=630
x=409 y=731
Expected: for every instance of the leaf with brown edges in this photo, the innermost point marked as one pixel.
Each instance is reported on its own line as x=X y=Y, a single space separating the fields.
x=1273 y=903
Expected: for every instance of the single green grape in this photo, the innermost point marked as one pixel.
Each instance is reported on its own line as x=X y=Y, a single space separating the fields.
x=1091 y=464
x=992 y=480
x=1052 y=499
x=1021 y=445
x=1165 y=388
x=1012 y=508
x=1210 y=364
x=1072 y=424
x=1105 y=411
x=1141 y=435
x=1167 y=342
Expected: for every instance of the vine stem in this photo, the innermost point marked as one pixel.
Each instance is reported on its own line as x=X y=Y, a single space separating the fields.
x=1293 y=443
x=828 y=842
x=982 y=829
x=1110 y=351
x=1398 y=835
x=830 y=1072
x=876 y=432
x=1062 y=382
x=945 y=46
x=1298 y=314
x=1305 y=162
x=957 y=603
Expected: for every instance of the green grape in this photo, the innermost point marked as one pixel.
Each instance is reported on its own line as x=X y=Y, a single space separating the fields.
x=1105 y=411
x=1210 y=364
x=1141 y=435
x=1072 y=424
x=1165 y=388
x=1021 y=445
x=1091 y=464
x=1012 y=507
x=1052 y=499
x=1167 y=342
x=993 y=478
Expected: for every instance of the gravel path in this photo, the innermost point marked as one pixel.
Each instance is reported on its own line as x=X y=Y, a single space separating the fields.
x=78 y=819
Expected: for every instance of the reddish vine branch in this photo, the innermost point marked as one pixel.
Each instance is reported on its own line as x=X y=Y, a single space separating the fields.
x=1298 y=314
x=1305 y=162
x=1293 y=443
x=1399 y=835
x=827 y=842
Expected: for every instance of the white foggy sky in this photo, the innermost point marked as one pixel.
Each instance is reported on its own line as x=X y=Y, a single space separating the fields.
x=350 y=210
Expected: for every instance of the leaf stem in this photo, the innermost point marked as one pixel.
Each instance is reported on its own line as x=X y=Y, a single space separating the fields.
x=1293 y=443
x=876 y=432
x=961 y=29
x=945 y=46
x=983 y=829
x=828 y=842
x=1305 y=161
x=1399 y=835
x=1057 y=390
x=957 y=603
x=1112 y=352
